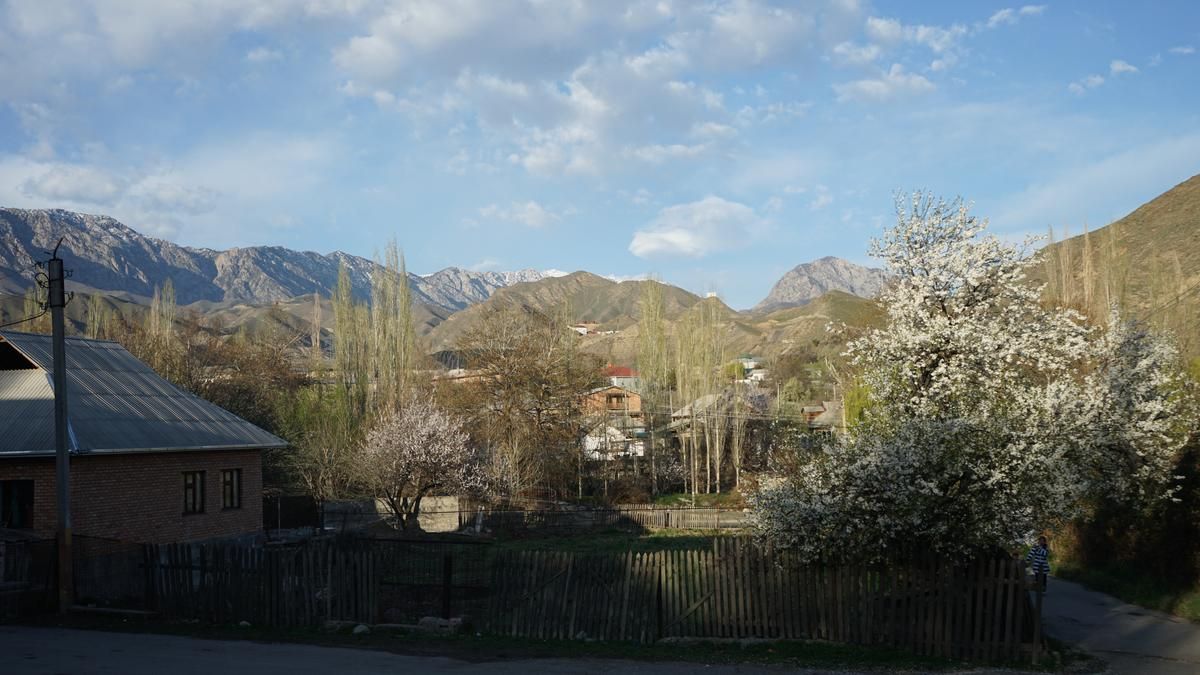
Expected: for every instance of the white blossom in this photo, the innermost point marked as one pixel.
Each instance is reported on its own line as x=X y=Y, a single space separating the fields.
x=991 y=416
x=413 y=452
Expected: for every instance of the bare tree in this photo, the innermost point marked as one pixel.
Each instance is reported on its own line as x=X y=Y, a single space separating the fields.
x=523 y=401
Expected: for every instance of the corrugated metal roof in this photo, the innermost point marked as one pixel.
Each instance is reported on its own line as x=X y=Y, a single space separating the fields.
x=115 y=404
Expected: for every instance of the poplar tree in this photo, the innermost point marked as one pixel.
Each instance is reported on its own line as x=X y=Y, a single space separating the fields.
x=653 y=366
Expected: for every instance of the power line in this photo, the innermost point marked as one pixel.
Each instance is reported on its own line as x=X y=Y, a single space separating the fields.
x=1174 y=301
x=28 y=318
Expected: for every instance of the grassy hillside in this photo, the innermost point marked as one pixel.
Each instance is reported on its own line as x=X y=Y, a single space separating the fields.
x=1147 y=262
x=616 y=307
x=584 y=296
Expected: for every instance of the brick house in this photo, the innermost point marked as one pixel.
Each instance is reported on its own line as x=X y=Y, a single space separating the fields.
x=149 y=462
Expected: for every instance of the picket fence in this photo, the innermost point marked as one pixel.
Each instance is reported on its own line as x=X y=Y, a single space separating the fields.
x=275 y=586
x=981 y=611
x=636 y=516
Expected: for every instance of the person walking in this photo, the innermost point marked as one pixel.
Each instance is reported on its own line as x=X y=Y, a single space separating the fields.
x=1038 y=560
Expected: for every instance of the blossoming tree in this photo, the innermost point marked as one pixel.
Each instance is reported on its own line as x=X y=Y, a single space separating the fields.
x=413 y=452
x=990 y=416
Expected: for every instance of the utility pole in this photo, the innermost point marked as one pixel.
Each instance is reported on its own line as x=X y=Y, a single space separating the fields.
x=57 y=300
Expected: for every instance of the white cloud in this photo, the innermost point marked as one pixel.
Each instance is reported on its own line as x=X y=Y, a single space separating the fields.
x=1089 y=82
x=1006 y=16
x=1009 y=16
x=850 y=54
x=263 y=55
x=712 y=130
x=887 y=31
x=78 y=184
x=70 y=39
x=530 y=214
x=581 y=88
x=893 y=84
x=158 y=194
x=822 y=199
x=697 y=229
x=485 y=265
x=944 y=42
x=657 y=154
x=1118 y=67
x=1184 y=50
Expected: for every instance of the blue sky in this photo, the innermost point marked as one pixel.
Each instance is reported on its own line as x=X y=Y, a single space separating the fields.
x=714 y=144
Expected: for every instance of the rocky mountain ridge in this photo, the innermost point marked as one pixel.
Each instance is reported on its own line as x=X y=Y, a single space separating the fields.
x=808 y=281
x=117 y=260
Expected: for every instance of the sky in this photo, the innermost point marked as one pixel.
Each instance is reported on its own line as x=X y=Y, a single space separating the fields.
x=712 y=144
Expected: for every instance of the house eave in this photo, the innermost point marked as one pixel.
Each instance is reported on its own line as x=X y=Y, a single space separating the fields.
x=138 y=451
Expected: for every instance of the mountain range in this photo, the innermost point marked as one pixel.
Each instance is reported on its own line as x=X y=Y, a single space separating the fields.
x=107 y=256
x=112 y=258
x=1148 y=261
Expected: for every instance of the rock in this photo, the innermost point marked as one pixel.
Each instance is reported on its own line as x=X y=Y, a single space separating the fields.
x=243 y=624
x=433 y=624
x=754 y=642
x=362 y=629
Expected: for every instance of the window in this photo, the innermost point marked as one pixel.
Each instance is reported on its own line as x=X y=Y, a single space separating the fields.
x=193 y=492
x=16 y=504
x=231 y=489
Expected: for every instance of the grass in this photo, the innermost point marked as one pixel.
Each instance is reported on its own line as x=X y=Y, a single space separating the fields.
x=481 y=648
x=617 y=541
x=1135 y=587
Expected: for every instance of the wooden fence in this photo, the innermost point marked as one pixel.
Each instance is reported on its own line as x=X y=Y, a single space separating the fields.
x=276 y=586
x=27 y=577
x=637 y=516
x=732 y=589
x=735 y=590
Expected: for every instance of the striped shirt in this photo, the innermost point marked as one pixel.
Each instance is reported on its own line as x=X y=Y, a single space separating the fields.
x=1038 y=559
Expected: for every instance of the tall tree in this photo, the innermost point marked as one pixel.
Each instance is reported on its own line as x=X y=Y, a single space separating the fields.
x=653 y=367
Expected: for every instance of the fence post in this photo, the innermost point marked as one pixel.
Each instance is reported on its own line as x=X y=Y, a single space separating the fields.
x=447 y=582
x=1037 y=624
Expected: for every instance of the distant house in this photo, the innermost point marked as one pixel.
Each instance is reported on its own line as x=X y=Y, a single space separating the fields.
x=748 y=361
x=613 y=400
x=619 y=425
x=614 y=439
x=149 y=462
x=585 y=327
x=623 y=376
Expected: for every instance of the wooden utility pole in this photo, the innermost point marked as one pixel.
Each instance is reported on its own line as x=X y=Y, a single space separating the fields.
x=57 y=300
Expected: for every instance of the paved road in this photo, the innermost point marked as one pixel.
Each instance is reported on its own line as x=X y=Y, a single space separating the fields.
x=1132 y=639
x=46 y=651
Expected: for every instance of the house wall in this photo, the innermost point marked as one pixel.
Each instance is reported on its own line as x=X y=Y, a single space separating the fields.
x=597 y=401
x=139 y=497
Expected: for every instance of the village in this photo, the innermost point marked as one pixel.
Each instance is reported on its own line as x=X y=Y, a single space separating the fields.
x=599 y=336
x=532 y=490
